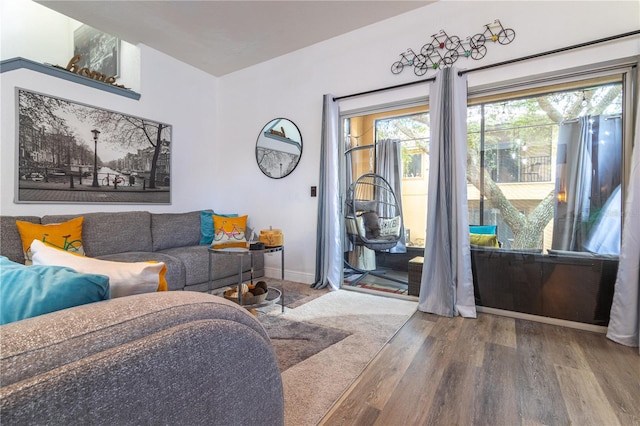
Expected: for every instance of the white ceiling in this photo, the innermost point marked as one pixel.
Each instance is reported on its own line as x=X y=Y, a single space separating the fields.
x=220 y=37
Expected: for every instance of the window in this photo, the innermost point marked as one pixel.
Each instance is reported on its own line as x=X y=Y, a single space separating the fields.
x=546 y=167
x=524 y=153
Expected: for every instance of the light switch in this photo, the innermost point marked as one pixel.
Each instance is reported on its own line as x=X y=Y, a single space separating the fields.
x=313 y=191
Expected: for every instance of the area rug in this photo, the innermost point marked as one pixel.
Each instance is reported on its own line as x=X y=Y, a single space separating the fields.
x=325 y=341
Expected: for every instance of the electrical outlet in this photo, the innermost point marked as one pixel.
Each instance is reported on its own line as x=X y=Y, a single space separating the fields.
x=313 y=191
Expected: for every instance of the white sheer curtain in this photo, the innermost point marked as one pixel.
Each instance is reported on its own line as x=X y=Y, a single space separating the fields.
x=624 y=322
x=447 y=281
x=328 y=238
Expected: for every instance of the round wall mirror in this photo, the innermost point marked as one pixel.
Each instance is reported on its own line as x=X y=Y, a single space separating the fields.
x=279 y=148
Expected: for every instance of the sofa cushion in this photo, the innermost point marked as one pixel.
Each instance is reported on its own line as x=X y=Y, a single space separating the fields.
x=66 y=235
x=112 y=232
x=176 y=272
x=11 y=245
x=175 y=230
x=196 y=260
x=206 y=225
x=125 y=278
x=487 y=240
x=28 y=291
x=483 y=229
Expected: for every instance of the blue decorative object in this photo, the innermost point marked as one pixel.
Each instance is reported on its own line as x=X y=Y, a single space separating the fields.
x=483 y=229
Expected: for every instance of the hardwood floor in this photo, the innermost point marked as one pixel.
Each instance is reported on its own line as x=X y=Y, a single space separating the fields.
x=494 y=370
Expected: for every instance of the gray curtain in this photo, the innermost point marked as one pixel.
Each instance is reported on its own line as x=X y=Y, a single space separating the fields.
x=389 y=166
x=328 y=238
x=573 y=185
x=446 y=287
x=624 y=322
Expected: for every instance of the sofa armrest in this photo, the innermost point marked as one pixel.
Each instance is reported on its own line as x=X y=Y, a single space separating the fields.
x=169 y=357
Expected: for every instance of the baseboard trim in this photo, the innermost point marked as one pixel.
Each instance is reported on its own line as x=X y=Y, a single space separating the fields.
x=296 y=276
x=545 y=320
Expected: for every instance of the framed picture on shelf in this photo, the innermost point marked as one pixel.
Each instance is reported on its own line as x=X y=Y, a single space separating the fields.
x=98 y=51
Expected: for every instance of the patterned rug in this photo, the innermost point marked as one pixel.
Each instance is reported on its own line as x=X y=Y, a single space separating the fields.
x=324 y=340
x=295 y=341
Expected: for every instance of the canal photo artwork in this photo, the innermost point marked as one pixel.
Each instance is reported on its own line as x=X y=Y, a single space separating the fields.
x=74 y=153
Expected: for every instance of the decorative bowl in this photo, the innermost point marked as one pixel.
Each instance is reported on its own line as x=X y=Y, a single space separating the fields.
x=232 y=294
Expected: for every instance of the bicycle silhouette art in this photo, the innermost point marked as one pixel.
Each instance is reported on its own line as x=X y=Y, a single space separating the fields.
x=468 y=51
x=235 y=233
x=444 y=50
x=441 y=40
x=432 y=51
x=67 y=245
x=410 y=58
x=494 y=32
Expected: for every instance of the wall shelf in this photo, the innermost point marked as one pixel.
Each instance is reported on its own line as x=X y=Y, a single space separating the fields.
x=18 y=63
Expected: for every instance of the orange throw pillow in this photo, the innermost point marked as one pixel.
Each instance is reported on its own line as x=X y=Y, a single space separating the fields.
x=229 y=231
x=66 y=236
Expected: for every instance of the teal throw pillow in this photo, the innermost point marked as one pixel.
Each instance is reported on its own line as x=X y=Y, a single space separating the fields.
x=28 y=291
x=206 y=225
x=483 y=229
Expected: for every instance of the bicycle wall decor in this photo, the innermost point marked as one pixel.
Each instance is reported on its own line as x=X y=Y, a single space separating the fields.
x=444 y=50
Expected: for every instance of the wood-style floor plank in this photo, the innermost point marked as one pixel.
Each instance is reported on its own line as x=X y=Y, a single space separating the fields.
x=418 y=385
x=618 y=374
x=538 y=391
x=373 y=390
x=563 y=349
x=494 y=370
x=497 y=387
x=458 y=383
x=585 y=400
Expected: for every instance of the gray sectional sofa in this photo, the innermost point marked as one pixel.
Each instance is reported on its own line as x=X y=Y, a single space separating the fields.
x=170 y=358
x=134 y=236
x=163 y=358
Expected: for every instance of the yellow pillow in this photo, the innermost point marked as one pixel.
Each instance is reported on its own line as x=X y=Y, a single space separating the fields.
x=229 y=231
x=125 y=278
x=487 y=240
x=65 y=236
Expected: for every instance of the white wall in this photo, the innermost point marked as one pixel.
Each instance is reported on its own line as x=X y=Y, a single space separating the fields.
x=292 y=86
x=32 y=31
x=172 y=92
x=216 y=121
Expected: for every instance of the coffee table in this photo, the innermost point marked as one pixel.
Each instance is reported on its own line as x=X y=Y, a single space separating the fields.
x=273 y=294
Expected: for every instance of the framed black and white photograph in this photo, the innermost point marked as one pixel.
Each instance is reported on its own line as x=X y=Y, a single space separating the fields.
x=98 y=51
x=74 y=153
